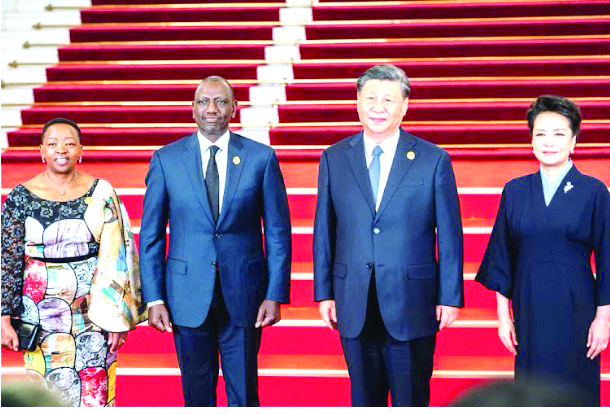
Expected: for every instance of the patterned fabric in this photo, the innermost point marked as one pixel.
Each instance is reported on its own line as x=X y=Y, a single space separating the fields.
x=65 y=265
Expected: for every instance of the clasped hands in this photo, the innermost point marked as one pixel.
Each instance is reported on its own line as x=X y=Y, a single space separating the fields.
x=268 y=314
x=446 y=315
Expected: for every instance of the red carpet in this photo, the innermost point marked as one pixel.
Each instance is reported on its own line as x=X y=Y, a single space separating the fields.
x=129 y=75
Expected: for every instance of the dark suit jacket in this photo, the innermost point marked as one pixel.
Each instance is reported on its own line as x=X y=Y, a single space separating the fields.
x=254 y=191
x=399 y=241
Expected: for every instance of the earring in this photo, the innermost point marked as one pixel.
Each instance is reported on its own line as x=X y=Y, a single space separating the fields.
x=43 y=160
x=80 y=159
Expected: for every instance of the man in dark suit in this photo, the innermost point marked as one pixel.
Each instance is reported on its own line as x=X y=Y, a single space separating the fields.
x=219 y=285
x=384 y=199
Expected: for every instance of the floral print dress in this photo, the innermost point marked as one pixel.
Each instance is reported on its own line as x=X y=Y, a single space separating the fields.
x=72 y=268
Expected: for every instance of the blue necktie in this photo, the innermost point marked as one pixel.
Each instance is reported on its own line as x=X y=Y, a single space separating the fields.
x=374 y=170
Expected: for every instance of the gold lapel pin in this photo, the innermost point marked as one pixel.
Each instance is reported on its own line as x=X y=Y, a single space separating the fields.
x=411 y=155
x=236 y=160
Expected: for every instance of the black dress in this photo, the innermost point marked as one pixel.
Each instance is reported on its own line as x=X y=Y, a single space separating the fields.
x=540 y=257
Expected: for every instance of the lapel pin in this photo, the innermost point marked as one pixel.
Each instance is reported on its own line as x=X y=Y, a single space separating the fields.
x=411 y=155
x=236 y=160
x=567 y=187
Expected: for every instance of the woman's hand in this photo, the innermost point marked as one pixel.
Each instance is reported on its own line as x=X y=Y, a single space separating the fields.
x=10 y=340
x=506 y=327
x=506 y=332
x=116 y=340
x=599 y=332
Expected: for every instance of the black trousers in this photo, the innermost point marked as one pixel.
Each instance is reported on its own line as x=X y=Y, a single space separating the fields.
x=198 y=349
x=377 y=363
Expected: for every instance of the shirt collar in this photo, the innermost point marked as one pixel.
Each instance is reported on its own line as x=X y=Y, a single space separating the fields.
x=388 y=145
x=222 y=143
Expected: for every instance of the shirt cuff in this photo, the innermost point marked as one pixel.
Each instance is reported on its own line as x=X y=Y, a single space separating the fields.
x=153 y=303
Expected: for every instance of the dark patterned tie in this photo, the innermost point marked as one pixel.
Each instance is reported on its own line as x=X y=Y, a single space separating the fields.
x=211 y=182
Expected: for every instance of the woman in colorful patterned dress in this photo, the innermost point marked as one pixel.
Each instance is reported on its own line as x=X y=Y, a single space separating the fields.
x=69 y=264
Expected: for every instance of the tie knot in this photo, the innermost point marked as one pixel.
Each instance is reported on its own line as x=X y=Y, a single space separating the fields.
x=377 y=151
x=213 y=150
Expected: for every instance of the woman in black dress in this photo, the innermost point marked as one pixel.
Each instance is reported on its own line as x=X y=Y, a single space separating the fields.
x=539 y=256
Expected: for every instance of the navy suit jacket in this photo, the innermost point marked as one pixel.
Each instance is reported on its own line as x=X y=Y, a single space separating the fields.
x=398 y=241
x=249 y=271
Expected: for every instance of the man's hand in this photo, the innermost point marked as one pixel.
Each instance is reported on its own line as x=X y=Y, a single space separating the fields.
x=10 y=340
x=268 y=314
x=446 y=315
x=328 y=312
x=116 y=340
x=158 y=318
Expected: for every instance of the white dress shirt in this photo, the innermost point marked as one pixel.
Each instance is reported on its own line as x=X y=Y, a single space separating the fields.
x=388 y=147
x=222 y=156
x=221 y=162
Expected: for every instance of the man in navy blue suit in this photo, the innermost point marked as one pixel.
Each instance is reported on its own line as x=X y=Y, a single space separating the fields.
x=385 y=198
x=220 y=283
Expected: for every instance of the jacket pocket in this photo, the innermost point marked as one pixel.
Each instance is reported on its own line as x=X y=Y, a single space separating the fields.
x=424 y=271
x=340 y=270
x=176 y=266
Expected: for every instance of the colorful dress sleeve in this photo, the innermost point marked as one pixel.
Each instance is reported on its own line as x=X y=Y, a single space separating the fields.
x=601 y=245
x=496 y=271
x=116 y=292
x=13 y=242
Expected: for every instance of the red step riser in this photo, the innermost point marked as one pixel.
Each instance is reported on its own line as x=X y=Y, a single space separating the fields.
x=419 y=90
x=156 y=14
x=416 y=11
x=128 y=52
x=445 y=11
x=149 y=72
x=134 y=2
x=287 y=114
x=459 y=29
x=358 y=51
x=437 y=134
x=135 y=33
x=541 y=67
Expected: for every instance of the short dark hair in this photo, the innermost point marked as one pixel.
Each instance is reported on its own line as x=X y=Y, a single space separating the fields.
x=557 y=104
x=216 y=78
x=386 y=72
x=60 y=121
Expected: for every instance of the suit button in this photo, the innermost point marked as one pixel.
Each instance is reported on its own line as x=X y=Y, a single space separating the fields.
x=369 y=266
x=217 y=236
x=214 y=263
x=376 y=230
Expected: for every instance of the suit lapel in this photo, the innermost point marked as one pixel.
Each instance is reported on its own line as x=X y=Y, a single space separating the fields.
x=400 y=165
x=192 y=162
x=357 y=161
x=236 y=159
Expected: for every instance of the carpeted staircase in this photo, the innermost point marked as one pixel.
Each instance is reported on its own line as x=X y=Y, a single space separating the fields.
x=130 y=72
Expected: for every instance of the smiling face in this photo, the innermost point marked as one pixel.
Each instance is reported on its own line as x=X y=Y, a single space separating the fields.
x=61 y=148
x=381 y=107
x=213 y=108
x=552 y=139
